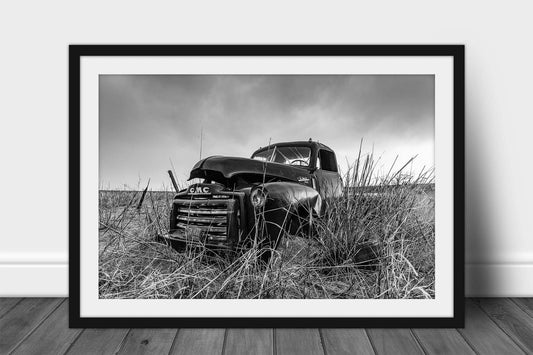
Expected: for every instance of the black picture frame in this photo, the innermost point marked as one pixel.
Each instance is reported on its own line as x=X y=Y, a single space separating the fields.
x=76 y=52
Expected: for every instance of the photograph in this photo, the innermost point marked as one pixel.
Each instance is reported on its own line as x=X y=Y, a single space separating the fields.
x=266 y=186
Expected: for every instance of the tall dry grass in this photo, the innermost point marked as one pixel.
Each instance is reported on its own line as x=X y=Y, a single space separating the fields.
x=376 y=241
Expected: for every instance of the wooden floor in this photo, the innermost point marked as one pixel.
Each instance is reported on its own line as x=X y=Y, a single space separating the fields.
x=40 y=326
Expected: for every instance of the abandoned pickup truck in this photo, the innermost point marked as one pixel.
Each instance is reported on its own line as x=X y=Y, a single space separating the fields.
x=281 y=189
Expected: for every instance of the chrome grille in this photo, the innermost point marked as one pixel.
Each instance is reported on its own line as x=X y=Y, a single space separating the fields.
x=204 y=218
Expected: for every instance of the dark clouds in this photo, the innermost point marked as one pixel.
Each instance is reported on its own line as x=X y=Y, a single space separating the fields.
x=147 y=120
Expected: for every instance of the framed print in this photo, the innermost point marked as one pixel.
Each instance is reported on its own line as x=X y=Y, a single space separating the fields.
x=266 y=186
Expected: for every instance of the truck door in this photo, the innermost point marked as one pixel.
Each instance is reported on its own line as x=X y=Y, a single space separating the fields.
x=327 y=174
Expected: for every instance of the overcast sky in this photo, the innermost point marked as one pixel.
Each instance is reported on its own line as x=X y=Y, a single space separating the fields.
x=147 y=121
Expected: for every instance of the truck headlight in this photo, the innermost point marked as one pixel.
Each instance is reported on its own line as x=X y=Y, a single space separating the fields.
x=258 y=198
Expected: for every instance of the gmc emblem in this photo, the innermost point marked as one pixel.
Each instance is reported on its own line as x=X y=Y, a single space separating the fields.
x=199 y=190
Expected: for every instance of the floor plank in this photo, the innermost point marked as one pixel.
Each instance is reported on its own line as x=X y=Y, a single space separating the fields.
x=199 y=341
x=298 y=341
x=249 y=341
x=6 y=304
x=148 y=341
x=52 y=336
x=40 y=326
x=516 y=323
x=20 y=320
x=484 y=335
x=99 y=341
x=442 y=341
x=346 y=341
x=526 y=304
x=393 y=341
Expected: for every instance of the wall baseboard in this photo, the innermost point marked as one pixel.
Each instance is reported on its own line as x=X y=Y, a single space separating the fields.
x=34 y=280
x=51 y=280
x=499 y=280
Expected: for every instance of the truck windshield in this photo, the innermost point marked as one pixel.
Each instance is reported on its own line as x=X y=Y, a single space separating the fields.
x=298 y=156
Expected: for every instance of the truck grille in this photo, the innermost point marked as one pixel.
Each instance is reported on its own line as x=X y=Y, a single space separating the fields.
x=203 y=218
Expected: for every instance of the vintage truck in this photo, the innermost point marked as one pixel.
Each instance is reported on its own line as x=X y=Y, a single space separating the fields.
x=240 y=202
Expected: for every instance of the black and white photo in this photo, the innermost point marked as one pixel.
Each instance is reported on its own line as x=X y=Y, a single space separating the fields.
x=269 y=187
x=259 y=210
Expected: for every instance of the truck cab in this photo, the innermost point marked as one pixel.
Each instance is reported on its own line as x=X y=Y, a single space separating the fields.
x=319 y=161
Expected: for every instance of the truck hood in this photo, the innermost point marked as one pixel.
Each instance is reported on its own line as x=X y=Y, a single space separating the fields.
x=216 y=167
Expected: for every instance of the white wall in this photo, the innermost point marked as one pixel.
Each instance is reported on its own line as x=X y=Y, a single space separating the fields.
x=33 y=110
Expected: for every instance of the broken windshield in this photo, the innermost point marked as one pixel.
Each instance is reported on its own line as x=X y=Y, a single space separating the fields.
x=298 y=156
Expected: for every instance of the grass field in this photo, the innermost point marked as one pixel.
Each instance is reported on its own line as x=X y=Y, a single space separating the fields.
x=393 y=213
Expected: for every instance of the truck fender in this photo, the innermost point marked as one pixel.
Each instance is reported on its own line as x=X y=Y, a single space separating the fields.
x=289 y=205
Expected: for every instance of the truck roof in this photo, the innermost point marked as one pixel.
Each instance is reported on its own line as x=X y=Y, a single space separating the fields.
x=311 y=144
